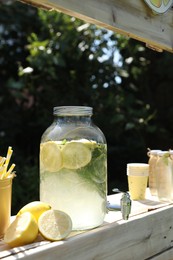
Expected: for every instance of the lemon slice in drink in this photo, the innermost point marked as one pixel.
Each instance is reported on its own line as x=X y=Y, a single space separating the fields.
x=50 y=156
x=55 y=225
x=23 y=230
x=76 y=155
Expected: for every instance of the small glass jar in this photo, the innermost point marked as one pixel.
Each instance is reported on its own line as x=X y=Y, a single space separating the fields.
x=153 y=156
x=73 y=167
x=164 y=177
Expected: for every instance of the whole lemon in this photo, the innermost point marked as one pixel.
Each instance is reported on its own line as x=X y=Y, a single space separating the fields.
x=36 y=208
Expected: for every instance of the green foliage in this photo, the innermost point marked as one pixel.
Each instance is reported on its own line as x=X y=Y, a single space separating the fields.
x=50 y=59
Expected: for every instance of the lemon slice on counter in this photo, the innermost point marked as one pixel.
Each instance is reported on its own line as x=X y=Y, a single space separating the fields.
x=54 y=225
x=159 y=6
x=76 y=155
x=23 y=230
x=51 y=156
x=36 y=208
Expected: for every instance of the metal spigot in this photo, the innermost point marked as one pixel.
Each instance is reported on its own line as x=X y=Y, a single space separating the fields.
x=125 y=204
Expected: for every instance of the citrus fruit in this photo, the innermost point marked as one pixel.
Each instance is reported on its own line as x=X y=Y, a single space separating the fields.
x=76 y=155
x=23 y=230
x=54 y=225
x=166 y=2
x=156 y=3
x=36 y=208
x=159 y=6
x=50 y=156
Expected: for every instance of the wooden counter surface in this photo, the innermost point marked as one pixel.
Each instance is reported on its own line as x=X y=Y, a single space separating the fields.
x=148 y=234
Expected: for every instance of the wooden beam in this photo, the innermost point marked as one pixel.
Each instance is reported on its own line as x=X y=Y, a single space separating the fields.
x=131 y=18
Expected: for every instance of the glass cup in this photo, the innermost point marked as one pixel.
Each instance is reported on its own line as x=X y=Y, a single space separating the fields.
x=5 y=204
x=137 y=174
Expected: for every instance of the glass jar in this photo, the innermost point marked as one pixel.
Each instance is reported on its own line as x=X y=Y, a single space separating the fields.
x=153 y=156
x=164 y=181
x=73 y=167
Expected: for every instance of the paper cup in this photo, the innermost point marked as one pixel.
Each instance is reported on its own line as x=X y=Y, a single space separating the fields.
x=5 y=204
x=137 y=174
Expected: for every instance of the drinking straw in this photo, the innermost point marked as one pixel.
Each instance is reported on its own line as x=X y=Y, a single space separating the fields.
x=2 y=170
x=2 y=160
x=9 y=171
x=5 y=166
x=9 y=153
x=2 y=167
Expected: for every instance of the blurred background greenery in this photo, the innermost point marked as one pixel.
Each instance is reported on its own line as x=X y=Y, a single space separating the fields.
x=50 y=59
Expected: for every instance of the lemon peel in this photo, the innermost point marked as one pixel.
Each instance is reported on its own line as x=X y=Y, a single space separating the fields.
x=36 y=208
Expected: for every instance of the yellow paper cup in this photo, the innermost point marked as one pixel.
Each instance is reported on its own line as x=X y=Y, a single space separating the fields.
x=137 y=174
x=5 y=204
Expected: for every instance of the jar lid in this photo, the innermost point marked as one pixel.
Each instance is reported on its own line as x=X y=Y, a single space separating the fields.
x=162 y=153
x=73 y=111
x=154 y=152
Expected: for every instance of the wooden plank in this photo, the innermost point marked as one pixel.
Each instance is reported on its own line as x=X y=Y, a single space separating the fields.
x=132 y=18
x=139 y=238
x=168 y=254
x=143 y=236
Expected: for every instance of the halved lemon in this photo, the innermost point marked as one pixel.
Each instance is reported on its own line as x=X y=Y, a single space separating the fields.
x=54 y=225
x=51 y=156
x=76 y=155
x=23 y=230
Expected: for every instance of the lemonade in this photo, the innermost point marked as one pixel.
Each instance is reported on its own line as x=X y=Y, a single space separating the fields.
x=73 y=179
x=137 y=174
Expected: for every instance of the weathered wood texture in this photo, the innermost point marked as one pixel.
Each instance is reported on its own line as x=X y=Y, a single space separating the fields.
x=146 y=235
x=132 y=18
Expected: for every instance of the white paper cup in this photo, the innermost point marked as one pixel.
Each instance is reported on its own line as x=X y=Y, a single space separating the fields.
x=137 y=174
